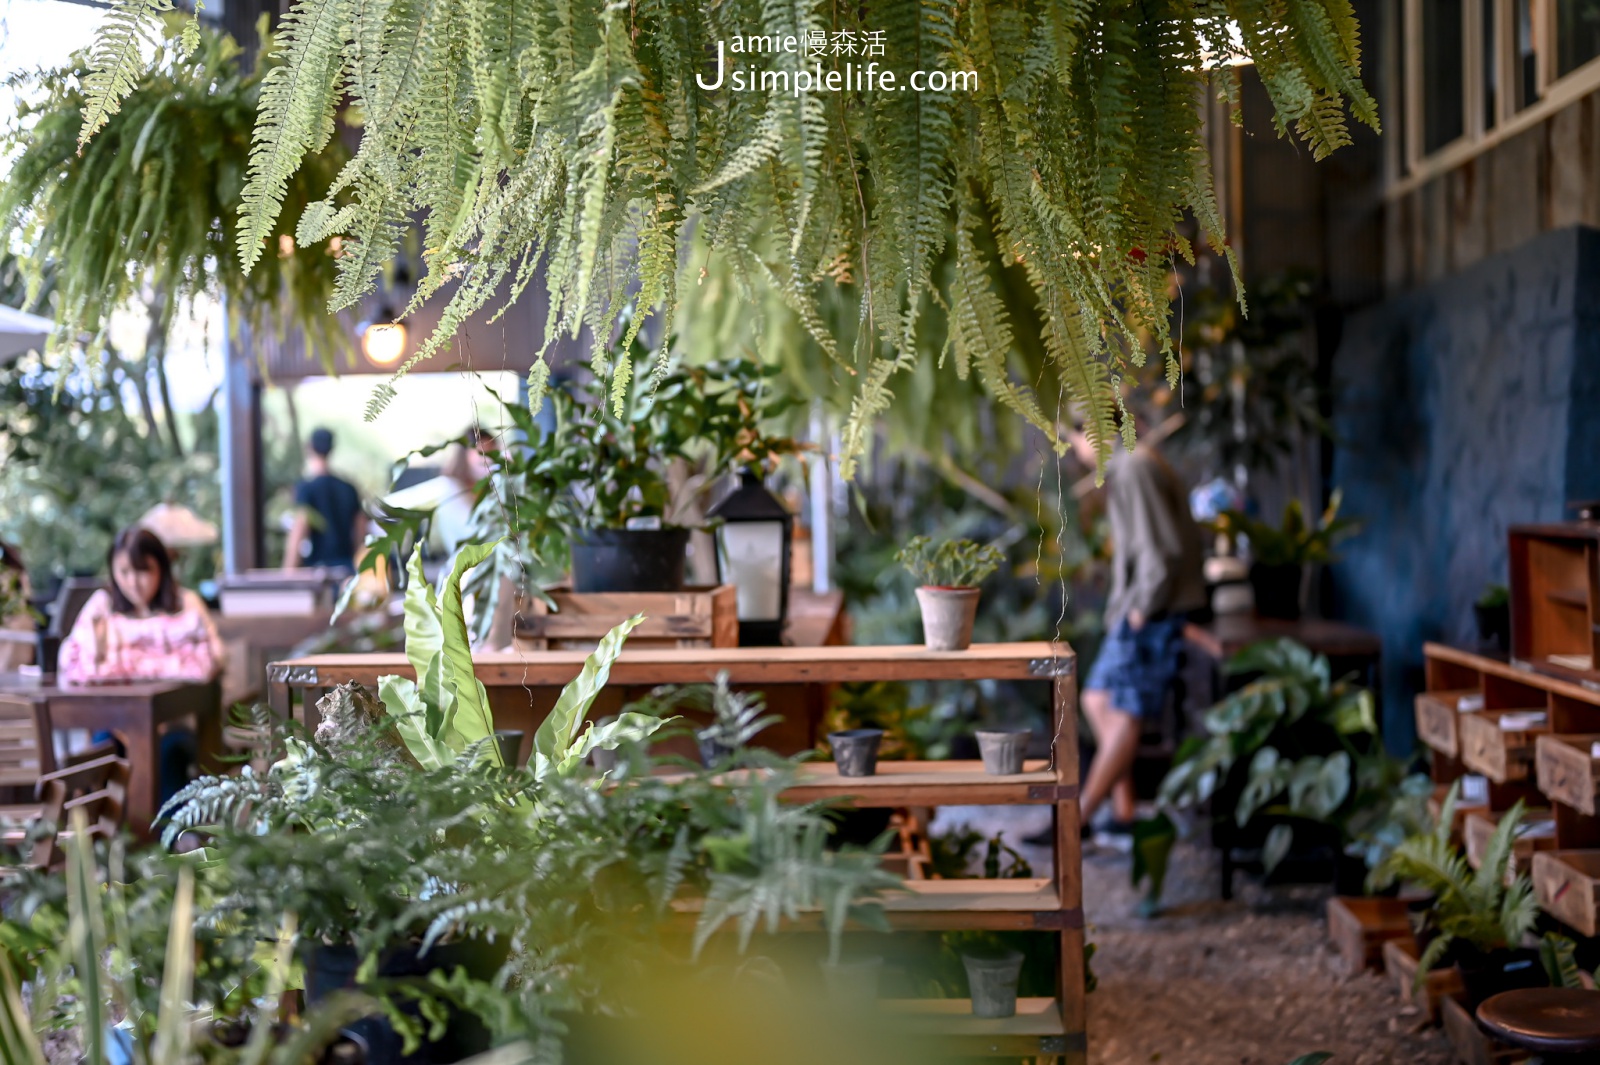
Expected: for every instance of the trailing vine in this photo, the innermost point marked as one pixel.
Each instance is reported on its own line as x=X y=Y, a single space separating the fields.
x=586 y=142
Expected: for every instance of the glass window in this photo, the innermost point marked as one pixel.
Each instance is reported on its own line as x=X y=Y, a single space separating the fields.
x=1527 y=53
x=1577 y=34
x=1443 y=110
x=1491 y=65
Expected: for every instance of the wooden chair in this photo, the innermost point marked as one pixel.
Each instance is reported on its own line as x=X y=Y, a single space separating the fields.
x=99 y=787
x=26 y=750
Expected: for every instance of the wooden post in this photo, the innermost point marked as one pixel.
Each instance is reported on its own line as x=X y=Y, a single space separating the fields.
x=1069 y=866
x=239 y=444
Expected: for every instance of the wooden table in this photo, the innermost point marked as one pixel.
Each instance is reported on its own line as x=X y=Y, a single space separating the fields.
x=135 y=714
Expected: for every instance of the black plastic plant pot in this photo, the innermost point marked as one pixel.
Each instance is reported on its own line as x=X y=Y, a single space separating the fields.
x=509 y=741
x=1494 y=625
x=1277 y=590
x=712 y=752
x=855 y=751
x=628 y=560
x=332 y=967
x=1486 y=973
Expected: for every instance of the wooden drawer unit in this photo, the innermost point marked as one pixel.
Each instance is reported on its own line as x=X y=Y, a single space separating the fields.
x=1464 y=807
x=1538 y=834
x=1568 y=886
x=1499 y=753
x=1360 y=926
x=1568 y=771
x=1400 y=965
x=1439 y=720
x=1555 y=598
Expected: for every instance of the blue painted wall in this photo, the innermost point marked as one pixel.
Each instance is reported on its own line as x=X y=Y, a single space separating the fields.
x=1460 y=409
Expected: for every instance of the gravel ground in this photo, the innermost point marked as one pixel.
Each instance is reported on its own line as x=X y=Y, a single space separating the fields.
x=1253 y=981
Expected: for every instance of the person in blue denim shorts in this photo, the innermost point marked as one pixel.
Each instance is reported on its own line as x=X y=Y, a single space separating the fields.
x=1156 y=584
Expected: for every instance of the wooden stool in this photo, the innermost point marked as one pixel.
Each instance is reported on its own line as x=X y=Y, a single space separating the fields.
x=1560 y=1023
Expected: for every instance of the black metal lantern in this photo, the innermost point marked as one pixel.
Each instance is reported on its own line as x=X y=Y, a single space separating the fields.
x=754 y=537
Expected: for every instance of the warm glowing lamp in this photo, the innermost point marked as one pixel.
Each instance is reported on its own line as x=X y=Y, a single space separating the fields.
x=383 y=341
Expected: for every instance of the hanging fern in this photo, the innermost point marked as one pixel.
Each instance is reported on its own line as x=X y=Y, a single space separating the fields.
x=150 y=203
x=574 y=138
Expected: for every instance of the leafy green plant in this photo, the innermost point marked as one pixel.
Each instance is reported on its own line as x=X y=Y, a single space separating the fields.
x=736 y=717
x=951 y=564
x=1484 y=908
x=1293 y=745
x=1494 y=595
x=1294 y=542
x=593 y=141
x=159 y=186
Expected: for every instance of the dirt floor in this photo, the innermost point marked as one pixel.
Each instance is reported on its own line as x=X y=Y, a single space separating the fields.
x=1253 y=981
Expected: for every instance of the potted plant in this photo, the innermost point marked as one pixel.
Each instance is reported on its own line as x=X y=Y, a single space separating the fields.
x=948 y=576
x=1492 y=611
x=1279 y=554
x=1478 y=919
x=1293 y=752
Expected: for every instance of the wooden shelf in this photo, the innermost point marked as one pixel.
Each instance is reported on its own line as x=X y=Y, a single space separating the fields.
x=1039 y=660
x=945 y=905
x=1567 y=772
x=1035 y=1031
x=954 y=783
x=1568 y=886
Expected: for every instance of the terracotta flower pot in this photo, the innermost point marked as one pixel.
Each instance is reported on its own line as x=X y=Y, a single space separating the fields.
x=1002 y=750
x=947 y=615
x=992 y=979
x=855 y=751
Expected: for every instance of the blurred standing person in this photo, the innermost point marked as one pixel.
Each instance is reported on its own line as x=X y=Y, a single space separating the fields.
x=1157 y=583
x=465 y=467
x=329 y=525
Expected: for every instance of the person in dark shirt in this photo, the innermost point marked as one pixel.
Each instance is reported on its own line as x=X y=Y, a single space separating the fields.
x=329 y=524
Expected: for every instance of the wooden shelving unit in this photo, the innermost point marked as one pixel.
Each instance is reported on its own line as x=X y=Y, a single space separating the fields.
x=522 y=687
x=1560 y=785
x=1555 y=598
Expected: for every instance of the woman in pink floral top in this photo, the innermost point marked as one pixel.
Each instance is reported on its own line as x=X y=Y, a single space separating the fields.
x=144 y=627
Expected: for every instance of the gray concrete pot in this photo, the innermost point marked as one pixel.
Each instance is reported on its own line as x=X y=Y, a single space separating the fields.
x=855 y=751
x=992 y=978
x=1002 y=750
x=853 y=982
x=947 y=615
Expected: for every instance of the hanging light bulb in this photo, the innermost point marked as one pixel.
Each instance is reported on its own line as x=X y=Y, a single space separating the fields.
x=383 y=341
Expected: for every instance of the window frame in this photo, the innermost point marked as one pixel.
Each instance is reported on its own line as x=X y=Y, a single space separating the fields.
x=1408 y=165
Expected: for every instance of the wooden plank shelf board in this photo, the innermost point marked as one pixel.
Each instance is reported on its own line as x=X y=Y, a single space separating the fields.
x=1400 y=965
x=928 y=784
x=1031 y=904
x=1567 y=770
x=1035 y=1031
x=1538 y=833
x=1568 y=886
x=1499 y=753
x=1039 y=660
x=1439 y=720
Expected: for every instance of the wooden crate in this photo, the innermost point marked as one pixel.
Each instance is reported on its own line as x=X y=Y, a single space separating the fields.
x=1400 y=965
x=1568 y=773
x=1500 y=754
x=1439 y=720
x=694 y=617
x=1568 y=886
x=1555 y=597
x=1538 y=836
x=1471 y=1044
x=1359 y=927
